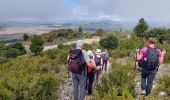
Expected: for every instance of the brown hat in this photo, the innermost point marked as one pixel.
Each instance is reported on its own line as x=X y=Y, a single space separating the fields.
x=152 y=41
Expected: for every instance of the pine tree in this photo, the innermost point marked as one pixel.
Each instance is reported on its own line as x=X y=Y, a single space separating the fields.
x=141 y=28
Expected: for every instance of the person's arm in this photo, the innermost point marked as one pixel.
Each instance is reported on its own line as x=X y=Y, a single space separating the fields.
x=161 y=56
x=138 y=54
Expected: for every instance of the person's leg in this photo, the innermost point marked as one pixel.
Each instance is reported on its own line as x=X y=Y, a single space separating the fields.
x=87 y=81
x=97 y=75
x=75 y=85
x=91 y=78
x=143 y=83
x=150 y=79
x=82 y=79
x=105 y=65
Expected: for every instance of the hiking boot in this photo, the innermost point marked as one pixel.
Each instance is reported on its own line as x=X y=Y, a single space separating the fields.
x=143 y=92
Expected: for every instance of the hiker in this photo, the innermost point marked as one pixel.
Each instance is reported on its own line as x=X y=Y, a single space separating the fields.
x=90 y=73
x=78 y=61
x=105 y=58
x=98 y=61
x=151 y=57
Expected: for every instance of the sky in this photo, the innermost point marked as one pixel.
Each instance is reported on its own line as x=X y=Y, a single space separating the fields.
x=116 y=10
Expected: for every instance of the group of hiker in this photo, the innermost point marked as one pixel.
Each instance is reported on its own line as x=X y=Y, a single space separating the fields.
x=86 y=66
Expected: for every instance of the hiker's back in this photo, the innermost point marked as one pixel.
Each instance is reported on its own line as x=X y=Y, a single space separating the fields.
x=76 y=62
x=97 y=59
x=152 y=58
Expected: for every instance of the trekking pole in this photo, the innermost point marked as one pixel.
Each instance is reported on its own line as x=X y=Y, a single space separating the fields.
x=135 y=60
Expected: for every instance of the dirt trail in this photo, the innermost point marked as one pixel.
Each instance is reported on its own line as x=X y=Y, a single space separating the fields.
x=87 y=41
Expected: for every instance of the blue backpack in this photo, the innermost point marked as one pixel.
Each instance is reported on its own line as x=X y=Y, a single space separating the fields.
x=152 y=59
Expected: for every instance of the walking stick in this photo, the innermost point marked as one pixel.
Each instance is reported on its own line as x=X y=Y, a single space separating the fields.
x=135 y=61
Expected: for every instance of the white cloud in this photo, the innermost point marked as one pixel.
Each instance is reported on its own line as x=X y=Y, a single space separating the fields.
x=156 y=10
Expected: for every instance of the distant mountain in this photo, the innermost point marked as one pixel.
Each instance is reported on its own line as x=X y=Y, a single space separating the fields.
x=88 y=25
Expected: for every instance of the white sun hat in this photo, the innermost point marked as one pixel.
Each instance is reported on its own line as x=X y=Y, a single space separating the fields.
x=98 y=53
x=90 y=53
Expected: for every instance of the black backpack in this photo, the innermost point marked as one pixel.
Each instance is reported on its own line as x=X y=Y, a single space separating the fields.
x=97 y=60
x=152 y=60
x=76 y=62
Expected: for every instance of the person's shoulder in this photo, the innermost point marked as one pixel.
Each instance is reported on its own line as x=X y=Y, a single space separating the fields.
x=144 y=48
x=84 y=51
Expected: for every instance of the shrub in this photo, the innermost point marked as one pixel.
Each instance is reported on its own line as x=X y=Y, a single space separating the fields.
x=119 y=82
x=109 y=42
x=36 y=44
x=141 y=28
x=25 y=37
x=23 y=79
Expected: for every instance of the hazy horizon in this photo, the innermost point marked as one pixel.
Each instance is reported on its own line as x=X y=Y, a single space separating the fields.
x=58 y=10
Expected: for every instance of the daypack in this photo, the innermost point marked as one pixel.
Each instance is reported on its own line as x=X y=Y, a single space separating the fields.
x=97 y=59
x=104 y=56
x=76 y=62
x=107 y=54
x=89 y=69
x=152 y=60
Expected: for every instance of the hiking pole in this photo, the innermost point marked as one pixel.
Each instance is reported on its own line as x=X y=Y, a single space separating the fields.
x=135 y=59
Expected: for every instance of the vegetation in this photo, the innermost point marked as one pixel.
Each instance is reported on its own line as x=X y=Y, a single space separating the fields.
x=141 y=28
x=118 y=84
x=110 y=42
x=100 y=32
x=38 y=77
x=80 y=29
x=36 y=45
x=10 y=51
x=25 y=37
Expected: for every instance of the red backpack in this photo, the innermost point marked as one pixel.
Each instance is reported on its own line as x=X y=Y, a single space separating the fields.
x=76 y=62
x=89 y=69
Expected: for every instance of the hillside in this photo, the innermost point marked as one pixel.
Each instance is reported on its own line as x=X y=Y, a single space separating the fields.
x=45 y=76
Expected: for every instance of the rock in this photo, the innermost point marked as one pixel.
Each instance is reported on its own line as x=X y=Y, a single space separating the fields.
x=162 y=93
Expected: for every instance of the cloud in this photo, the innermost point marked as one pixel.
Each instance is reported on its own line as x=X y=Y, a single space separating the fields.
x=127 y=9
x=41 y=9
x=152 y=10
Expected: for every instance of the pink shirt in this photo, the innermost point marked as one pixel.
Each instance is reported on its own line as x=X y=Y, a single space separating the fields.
x=93 y=62
x=143 y=52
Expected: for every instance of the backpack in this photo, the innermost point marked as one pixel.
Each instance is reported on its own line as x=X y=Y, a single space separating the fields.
x=97 y=60
x=152 y=59
x=76 y=62
x=89 y=69
x=104 y=56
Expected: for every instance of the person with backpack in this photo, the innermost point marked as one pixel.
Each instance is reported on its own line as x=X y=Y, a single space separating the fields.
x=90 y=73
x=105 y=58
x=78 y=60
x=150 y=58
x=98 y=61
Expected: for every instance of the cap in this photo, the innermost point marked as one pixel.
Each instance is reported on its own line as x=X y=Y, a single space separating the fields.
x=80 y=43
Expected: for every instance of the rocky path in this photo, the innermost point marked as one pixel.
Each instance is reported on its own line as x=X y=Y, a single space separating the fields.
x=164 y=69
x=65 y=91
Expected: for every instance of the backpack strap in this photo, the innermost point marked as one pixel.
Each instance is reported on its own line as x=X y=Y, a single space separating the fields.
x=151 y=48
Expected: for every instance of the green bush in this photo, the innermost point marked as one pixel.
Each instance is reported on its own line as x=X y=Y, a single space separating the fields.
x=36 y=44
x=23 y=78
x=110 y=42
x=164 y=86
x=25 y=37
x=119 y=83
x=141 y=28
